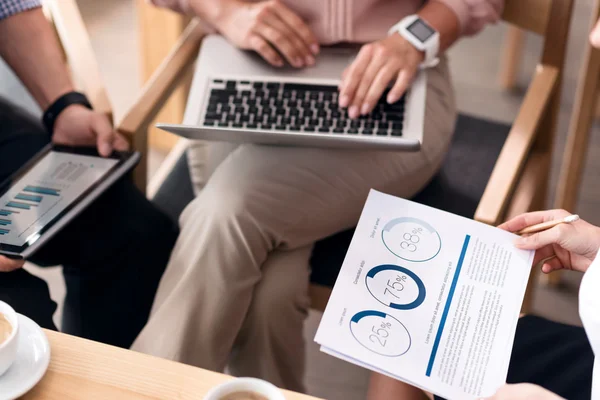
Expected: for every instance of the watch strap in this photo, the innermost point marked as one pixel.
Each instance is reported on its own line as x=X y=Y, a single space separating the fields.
x=55 y=109
x=431 y=48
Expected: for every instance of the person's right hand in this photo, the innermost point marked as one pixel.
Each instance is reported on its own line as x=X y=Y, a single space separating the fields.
x=524 y=391
x=8 y=264
x=268 y=27
x=566 y=246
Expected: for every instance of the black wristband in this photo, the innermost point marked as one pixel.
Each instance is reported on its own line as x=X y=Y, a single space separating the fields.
x=64 y=101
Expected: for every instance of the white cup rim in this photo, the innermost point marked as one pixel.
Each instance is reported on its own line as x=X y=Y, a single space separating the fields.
x=14 y=321
x=260 y=386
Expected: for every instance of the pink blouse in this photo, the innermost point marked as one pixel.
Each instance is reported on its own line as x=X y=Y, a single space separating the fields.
x=368 y=20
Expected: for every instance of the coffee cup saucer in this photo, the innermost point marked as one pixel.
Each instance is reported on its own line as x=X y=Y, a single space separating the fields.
x=33 y=357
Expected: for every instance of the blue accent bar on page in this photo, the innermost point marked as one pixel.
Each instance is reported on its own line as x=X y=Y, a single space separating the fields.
x=438 y=336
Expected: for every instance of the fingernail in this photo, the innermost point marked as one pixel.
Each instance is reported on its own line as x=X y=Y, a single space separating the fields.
x=314 y=48
x=105 y=149
x=353 y=112
x=520 y=241
x=298 y=62
x=344 y=100
x=365 y=109
x=391 y=98
x=310 y=60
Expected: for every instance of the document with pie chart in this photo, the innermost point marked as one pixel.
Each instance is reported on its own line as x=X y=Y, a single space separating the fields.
x=427 y=297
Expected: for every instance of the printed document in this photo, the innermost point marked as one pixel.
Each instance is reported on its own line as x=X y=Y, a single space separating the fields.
x=427 y=297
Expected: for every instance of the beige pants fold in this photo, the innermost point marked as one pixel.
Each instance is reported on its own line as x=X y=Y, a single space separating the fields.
x=236 y=289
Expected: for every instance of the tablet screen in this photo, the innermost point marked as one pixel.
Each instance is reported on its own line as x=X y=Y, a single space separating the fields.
x=42 y=193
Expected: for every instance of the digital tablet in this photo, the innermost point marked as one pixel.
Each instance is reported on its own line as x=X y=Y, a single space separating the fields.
x=50 y=190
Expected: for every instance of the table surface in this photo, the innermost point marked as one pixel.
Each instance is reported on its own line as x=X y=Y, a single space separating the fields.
x=82 y=369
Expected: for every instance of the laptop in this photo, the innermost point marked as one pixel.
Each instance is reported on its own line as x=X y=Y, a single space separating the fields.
x=243 y=99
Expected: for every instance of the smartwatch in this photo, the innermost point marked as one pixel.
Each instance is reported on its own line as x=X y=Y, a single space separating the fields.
x=421 y=35
x=51 y=114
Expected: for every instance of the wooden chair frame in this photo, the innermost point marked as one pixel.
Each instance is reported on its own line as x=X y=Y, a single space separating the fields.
x=519 y=180
x=76 y=44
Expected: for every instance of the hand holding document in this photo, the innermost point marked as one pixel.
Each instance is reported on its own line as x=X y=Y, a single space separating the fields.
x=427 y=297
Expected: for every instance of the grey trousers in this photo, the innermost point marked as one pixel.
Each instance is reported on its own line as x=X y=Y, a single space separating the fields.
x=236 y=289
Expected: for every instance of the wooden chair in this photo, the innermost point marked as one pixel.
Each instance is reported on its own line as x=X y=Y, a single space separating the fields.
x=586 y=101
x=585 y=110
x=493 y=171
x=512 y=53
x=72 y=35
x=76 y=44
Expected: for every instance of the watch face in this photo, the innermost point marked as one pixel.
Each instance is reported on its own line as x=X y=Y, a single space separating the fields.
x=420 y=30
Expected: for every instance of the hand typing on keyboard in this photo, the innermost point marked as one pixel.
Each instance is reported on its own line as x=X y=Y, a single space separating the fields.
x=392 y=59
x=267 y=27
x=296 y=107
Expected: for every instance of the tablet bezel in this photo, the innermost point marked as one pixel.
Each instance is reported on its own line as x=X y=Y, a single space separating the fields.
x=123 y=158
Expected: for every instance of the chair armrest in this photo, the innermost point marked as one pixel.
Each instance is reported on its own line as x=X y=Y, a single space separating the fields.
x=156 y=92
x=514 y=154
x=78 y=49
x=530 y=193
x=163 y=82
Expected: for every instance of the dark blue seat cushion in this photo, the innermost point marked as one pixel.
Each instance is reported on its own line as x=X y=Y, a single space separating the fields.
x=457 y=188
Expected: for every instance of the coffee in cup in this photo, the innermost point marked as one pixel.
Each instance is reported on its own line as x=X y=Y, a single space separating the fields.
x=6 y=328
x=243 y=395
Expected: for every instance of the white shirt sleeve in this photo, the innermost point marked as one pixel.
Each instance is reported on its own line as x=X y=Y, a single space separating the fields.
x=589 y=310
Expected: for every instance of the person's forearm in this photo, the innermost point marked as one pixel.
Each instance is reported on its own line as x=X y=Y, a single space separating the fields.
x=444 y=20
x=210 y=11
x=29 y=46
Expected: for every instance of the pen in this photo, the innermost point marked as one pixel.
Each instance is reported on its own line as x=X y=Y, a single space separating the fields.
x=547 y=225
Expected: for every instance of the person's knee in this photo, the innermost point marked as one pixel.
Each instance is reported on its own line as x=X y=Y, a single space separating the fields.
x=279 y=307
x=222 y=201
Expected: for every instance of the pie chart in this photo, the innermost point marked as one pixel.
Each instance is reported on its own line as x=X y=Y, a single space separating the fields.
x=380 y=333
x=395 y=286
x=411 y=239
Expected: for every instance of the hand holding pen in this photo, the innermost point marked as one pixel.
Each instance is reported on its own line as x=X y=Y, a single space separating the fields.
x=561 y=240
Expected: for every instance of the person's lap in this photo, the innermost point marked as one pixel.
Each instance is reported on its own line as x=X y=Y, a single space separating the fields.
x=262 y=202
x=113 y=254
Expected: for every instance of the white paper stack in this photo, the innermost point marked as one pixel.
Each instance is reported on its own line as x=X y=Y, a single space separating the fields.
x=427 y=297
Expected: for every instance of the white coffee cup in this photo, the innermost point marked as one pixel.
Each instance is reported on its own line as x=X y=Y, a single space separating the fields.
x=8 y=348
x=254 y=385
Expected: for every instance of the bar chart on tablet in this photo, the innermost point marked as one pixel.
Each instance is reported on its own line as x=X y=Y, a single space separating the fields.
x=45 y=191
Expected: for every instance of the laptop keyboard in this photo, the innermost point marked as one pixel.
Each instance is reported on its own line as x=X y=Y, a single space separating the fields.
x=294 y=107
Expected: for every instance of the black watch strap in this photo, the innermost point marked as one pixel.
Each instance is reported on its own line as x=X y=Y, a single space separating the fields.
x=64 y=101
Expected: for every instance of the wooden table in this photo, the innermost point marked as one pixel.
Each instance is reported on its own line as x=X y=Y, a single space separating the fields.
x=82 y=369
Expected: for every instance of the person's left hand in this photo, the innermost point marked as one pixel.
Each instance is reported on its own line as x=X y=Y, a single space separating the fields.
x=377 y=64
x=524 y=391
x=80 y=126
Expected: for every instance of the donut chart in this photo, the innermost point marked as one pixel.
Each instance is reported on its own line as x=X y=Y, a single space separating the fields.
x=396 y=287
x=411 y=239
x=380 y=333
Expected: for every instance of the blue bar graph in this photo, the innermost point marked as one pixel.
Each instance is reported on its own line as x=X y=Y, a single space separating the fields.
x=6 y=213
x=42 y=190
x=29 y=197
x=16 y=204
x=5 y=222
x=4 y=231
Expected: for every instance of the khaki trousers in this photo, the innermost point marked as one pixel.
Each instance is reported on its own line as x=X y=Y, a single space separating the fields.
x=236 y=289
